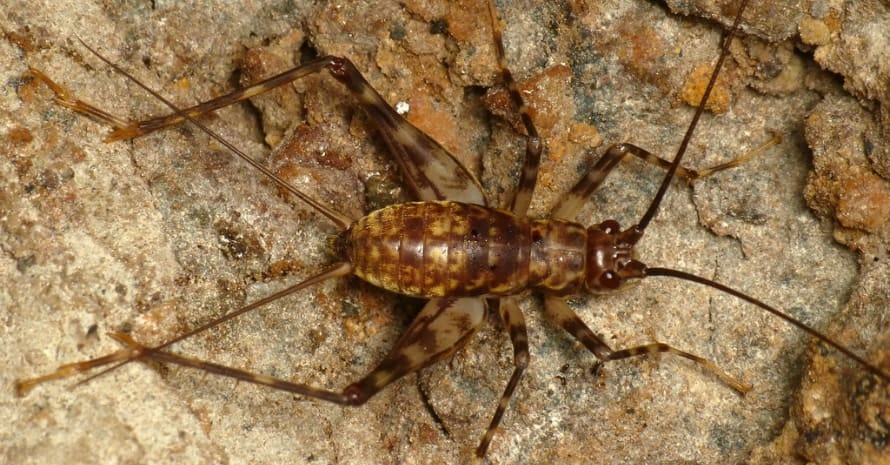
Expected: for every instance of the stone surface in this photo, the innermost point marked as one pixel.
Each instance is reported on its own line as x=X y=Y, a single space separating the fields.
x=161 y=233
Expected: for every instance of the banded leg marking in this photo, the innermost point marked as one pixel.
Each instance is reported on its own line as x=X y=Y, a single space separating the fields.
x=441 y=328
x=522 y=196
x=571 y=203
x=163 y=356
x=513 y=320
x=566 y=318
x=430 y=171
x=125 y=129
x=120 y=357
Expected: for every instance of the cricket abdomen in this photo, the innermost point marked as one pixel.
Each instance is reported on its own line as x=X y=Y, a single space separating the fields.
x=452 y=249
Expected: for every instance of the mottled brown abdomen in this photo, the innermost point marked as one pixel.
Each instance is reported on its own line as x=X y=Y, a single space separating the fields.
x=440 y=249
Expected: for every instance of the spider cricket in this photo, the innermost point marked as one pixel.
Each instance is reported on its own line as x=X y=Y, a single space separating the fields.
x=508 y=309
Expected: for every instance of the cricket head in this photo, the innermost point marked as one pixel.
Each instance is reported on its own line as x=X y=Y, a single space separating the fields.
x=611 y=258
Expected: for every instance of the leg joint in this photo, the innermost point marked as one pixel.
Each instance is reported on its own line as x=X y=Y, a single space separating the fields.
x=355 y=395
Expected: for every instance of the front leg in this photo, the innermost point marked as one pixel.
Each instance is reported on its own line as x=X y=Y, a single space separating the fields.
x=563 y=316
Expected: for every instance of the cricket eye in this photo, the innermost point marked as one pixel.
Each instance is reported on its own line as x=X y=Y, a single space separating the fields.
x=610 y=280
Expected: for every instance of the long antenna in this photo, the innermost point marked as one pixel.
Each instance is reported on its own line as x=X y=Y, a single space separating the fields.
x=662 y=190
x=666 y=182
x=342 y=221
x=791 y=320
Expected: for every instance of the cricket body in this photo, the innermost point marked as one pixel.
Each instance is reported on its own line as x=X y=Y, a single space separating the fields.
x=452 y=247
x=443 y=249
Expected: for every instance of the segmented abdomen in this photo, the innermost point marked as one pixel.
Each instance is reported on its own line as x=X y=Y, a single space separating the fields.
x=439 y=249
